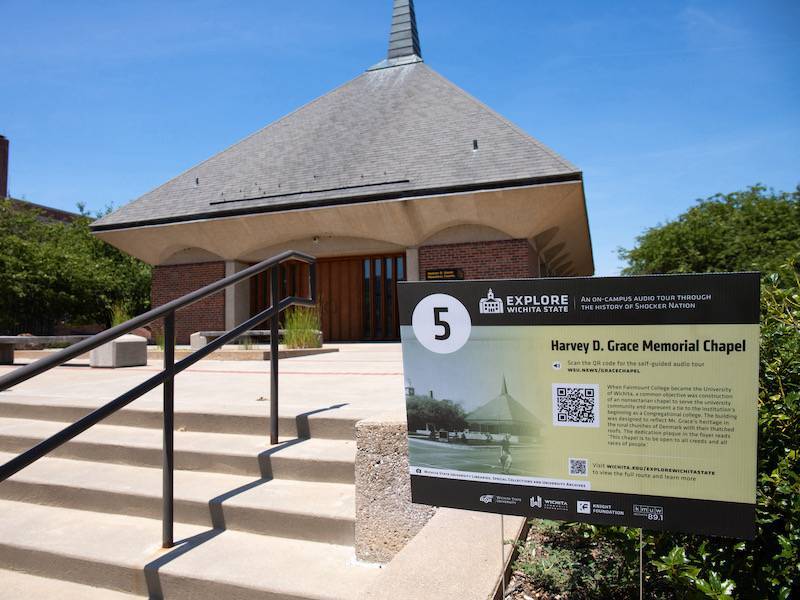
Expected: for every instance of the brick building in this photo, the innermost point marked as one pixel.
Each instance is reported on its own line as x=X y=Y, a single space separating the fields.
x=396 y=175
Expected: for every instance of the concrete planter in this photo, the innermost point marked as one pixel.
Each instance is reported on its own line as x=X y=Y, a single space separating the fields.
x=317 y=335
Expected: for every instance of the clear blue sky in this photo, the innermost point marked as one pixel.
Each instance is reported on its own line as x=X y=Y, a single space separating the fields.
x=659 y=103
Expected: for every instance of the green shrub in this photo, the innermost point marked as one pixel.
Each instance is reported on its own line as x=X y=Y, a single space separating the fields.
x=693 y=566
x=53 y=272
x=301 y=327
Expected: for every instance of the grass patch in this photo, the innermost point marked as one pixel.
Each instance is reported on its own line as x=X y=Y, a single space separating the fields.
x=119 y=314
x=301 y=327
x=570 y=562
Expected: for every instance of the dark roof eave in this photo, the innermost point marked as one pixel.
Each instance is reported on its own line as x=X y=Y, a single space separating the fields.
x=575 y=177
x=65 y=213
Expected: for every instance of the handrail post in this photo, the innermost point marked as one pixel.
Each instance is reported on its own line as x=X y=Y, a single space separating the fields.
x=169 y=429
x=273 y=357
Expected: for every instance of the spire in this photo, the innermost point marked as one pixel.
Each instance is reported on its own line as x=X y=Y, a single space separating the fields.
x=403 y=39
x=504 y=389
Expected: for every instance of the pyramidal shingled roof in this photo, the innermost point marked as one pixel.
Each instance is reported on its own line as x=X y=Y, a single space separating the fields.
x=398 y=130
x=504 y=408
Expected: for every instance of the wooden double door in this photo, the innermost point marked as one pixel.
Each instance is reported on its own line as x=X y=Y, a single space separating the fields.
x=357 y=295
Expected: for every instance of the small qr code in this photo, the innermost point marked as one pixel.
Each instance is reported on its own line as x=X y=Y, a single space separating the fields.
x=578 y=466
x=576 y=404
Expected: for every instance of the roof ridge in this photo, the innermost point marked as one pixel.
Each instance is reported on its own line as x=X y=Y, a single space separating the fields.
x=515 y=128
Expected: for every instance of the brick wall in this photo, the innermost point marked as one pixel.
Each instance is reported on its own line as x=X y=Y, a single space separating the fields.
x=173 y=281
x=502 y=259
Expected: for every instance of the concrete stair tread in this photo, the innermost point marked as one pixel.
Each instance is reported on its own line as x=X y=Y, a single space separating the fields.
x=329 y=500
x=229 y=443
x=15 y=584
x=258 y=409
x=335 y=421
x=122 y=552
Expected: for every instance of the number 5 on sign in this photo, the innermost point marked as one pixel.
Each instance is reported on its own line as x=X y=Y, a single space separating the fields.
x=441 y=323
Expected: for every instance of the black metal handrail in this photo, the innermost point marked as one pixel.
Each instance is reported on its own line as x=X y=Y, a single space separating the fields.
x=166 y=377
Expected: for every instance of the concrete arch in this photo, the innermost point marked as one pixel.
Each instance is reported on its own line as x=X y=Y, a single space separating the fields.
x=465 y=232
x=180 y=255
x=322 y=246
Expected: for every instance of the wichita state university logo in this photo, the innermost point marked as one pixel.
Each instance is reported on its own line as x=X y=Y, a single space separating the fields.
x=490 y=305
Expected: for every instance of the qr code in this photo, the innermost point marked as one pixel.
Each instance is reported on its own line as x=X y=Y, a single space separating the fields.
x=578 y=466
x=576 y=404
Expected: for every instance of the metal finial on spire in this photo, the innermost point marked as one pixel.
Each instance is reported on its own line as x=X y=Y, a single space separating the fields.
x=403 y=39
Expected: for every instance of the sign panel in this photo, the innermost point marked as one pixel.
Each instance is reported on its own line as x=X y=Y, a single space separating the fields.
x=444 y=274
x=618 y=401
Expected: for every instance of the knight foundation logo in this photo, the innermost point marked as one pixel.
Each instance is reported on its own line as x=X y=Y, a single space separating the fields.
x=490 y=305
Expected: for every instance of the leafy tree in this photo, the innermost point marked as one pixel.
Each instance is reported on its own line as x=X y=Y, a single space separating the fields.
x=756 y=229
x=442 y=414
x=53 y=272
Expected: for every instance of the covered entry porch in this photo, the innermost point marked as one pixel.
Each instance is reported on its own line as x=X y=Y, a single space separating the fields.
x=364 y=249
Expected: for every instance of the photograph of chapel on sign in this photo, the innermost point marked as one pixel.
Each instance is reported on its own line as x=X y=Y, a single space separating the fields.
x=625 y=401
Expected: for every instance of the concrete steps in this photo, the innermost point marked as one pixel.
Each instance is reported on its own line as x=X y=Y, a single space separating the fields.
x=315 y=511
x=299 y=459
x=121 y=553
x=251 y=520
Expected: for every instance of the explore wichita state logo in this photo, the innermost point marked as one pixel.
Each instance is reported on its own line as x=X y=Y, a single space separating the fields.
x=490 y=305
x=523 y=304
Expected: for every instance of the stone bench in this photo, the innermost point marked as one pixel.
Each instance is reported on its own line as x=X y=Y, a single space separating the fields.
x=9 y=342
x=125 y=351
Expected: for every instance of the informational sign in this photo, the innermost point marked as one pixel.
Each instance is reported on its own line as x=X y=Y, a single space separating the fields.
x=444 y=274
x=618 y=401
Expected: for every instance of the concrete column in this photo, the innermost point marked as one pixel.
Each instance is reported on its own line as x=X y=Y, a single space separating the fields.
x=412 y=264
x=237 y=297
x=535 y=266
